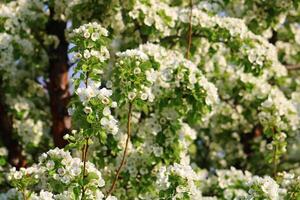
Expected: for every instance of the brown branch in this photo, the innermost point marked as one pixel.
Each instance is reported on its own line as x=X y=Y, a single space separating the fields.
x=85 y=148
x=293 y=67
x=190 y=31
x=84 y=157
x=58 y=86
x=15 y=156
x=125 y=150
x=275 y=161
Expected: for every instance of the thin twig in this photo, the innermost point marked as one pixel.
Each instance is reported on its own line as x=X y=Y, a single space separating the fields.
x=125 y=150
x=84 y=149
x=86 y=79
x=275 y=161
x=190 y=31
x=293 y=67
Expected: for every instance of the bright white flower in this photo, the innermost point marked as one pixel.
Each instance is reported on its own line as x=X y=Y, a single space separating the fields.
x=18 y=175
x=144 y=96
x=86 y=54
x=151 y=75
x=186 y=130
x=86 y=34
x=95 y=36
x=66 y=137
x=137 y=70
x=50 y=164
x=267 y=185
x=77 y=56
x=114 y=104
x=131 y=95
x=133 y=53
x=104 y=121
x=87 y=109
x=111 y=198
x=163 y=178
x=105 y=93
x=106 y=111
x=105 y=100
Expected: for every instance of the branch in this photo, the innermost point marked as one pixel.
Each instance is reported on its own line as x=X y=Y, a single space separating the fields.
x=84 y=158
x=125 y=151
x=58 y=86
x=293 y=67
x=275 y=160
x=84 y=149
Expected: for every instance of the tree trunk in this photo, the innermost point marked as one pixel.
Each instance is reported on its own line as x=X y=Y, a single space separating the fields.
x=58 y=85
x=15 y=157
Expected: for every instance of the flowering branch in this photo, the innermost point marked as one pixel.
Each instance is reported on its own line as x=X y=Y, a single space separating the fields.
x=125 y=150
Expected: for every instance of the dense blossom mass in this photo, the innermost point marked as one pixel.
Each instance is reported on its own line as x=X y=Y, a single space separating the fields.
x=168 y=99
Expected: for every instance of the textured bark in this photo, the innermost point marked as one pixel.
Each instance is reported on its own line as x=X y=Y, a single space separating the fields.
x=58 y=85
x=15 y=156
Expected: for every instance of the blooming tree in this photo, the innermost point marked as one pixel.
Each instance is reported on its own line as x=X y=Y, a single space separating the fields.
x=149 y=99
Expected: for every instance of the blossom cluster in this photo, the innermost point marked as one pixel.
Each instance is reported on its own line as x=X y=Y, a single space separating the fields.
x=94 y=104
x=154 y=13
x=256 y=49
x=56 y=176
x=254 y=13
x=181 y=77
x=242 y=115
x=97 y=106
x=166 y=139
x=282 y=111
x=134 y=72
x=93 y=34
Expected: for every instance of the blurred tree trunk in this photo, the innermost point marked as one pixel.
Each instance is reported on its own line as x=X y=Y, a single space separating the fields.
x=15 y=156
x=58 y=85
x=247 y=139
